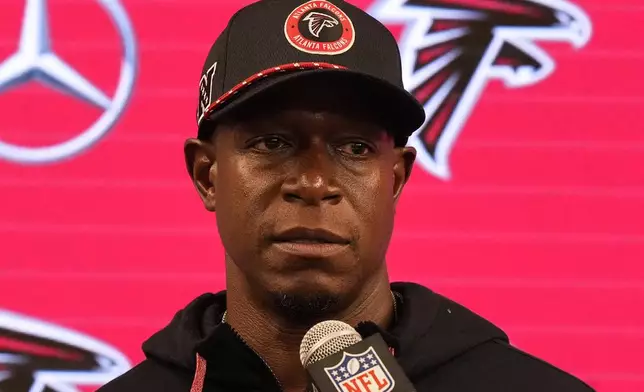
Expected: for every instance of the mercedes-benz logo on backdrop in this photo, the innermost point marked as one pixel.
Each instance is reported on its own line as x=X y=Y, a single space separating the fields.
x=34 y=60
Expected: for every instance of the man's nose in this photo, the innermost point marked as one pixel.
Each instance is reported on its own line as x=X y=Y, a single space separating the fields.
x=312 y=179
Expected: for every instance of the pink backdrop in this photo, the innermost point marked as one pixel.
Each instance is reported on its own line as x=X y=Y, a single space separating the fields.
x=538 y=228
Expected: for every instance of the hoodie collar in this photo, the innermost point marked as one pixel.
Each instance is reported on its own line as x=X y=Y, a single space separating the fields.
x=430 y=330
x=197 y=341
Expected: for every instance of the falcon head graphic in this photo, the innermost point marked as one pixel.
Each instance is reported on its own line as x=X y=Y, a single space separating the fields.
x=450 y=49
x=36 y=356
x=318 y=21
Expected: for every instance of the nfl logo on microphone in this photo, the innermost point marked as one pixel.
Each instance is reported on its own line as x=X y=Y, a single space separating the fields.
x=362 y=372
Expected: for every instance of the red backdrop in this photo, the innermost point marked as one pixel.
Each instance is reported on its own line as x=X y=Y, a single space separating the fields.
x=538 y=228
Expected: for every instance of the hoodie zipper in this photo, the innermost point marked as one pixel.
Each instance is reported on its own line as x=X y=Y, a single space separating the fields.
x=277 y=381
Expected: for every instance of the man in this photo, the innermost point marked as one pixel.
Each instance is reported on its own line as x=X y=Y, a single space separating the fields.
x=302 y=126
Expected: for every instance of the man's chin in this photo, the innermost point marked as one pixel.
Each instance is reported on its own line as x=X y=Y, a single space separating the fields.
x=305 y=309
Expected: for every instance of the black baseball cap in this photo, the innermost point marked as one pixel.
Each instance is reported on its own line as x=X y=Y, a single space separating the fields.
x=273 y=42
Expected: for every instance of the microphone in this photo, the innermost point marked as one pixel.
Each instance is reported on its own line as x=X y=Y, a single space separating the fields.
x=337 y=359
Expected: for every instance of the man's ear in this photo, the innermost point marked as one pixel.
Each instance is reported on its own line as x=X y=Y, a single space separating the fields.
x=202 y=168
x=405 y=157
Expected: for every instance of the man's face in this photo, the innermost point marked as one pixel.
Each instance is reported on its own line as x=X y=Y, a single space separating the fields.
x=304 y=187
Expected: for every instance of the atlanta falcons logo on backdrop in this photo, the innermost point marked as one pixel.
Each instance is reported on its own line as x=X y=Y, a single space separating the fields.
x=36 y=356
x=318 y=21
x=451 y=48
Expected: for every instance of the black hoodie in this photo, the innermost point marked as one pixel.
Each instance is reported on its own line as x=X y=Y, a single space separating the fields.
x=440 y=345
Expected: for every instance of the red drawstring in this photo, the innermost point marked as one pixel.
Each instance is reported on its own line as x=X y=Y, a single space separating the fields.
x=200 y=375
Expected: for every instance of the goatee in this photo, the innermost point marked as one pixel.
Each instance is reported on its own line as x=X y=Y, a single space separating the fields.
x=305 y=310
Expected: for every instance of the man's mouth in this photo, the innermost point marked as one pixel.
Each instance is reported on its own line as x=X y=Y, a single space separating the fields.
x=307 y=241
x=311 y=243
x=302 y=235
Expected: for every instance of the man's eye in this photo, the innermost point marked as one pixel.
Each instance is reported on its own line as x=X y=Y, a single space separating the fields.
x=355 y=148
x=270 y=143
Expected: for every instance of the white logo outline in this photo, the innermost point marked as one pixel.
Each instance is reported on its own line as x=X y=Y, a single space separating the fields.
x=206 y=84
x=113 y=363
x=418 y=20
x=34 y=59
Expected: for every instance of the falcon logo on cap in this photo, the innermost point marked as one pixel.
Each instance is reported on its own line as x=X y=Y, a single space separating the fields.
x=319 y=27
x=318 y=21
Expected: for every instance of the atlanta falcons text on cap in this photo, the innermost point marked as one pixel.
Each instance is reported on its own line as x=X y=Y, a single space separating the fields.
x=319 y=27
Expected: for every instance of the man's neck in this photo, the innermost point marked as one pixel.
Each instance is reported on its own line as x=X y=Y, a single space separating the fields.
x=278 y=343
